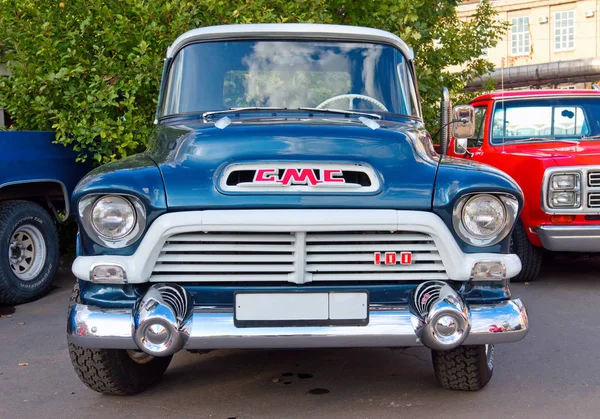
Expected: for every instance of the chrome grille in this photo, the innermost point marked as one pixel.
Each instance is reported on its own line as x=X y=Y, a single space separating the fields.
x=594 y=179
x=295 y=257
x=594 y=200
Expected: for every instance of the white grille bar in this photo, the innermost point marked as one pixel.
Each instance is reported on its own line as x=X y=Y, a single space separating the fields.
x=296 y=257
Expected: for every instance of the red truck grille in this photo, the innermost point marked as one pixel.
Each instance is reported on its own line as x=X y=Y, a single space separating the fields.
x=594 y=179
x=594 y=200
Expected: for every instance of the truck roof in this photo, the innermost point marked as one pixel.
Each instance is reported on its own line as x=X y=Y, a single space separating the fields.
x=279 y=31
x=537 y=92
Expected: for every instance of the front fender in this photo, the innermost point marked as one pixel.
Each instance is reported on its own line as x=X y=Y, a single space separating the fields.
x=459 y=177
x=137 y=176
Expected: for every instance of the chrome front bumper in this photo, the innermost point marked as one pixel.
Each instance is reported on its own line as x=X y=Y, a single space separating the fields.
x=570 y=238
x=213 y=328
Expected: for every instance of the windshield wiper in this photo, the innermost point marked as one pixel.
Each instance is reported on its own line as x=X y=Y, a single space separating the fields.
x=207 y=115
x=340 y=112
x=591 y=137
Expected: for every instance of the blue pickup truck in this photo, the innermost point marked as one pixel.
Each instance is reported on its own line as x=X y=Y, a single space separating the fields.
x=36 y=181
x=290 y=197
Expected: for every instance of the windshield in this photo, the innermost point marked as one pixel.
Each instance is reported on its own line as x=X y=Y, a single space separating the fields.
x=214 y=76
x=569 y=118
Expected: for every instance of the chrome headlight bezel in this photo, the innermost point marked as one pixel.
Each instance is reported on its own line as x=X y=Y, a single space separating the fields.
x=551 y=189
x=511 y=209
x=86 y=206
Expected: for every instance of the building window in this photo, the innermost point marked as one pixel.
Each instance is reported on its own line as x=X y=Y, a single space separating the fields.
x=564 y=30
x=519 y=36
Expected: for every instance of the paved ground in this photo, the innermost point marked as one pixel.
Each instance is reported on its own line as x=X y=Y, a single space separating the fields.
x=553 y=373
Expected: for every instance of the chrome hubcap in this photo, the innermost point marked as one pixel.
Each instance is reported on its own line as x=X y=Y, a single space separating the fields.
x=27 y=252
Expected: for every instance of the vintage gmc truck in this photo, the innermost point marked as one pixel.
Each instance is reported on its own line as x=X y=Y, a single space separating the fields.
x=549 y=142
x=290 y=197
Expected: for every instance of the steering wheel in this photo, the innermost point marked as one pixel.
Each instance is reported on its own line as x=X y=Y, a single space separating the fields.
x=351 y=97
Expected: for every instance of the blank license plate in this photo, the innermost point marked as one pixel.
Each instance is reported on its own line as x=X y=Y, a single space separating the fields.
x=301 y=308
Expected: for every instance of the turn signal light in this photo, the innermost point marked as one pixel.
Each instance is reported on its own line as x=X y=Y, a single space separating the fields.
x=562 y=219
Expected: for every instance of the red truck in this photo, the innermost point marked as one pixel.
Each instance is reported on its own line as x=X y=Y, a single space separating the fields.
x=549 y=142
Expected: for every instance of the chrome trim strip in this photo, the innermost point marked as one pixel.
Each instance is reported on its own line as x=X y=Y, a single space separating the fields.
x=295 y=31
x=274 y=187
x=213 y=328
x=570 y=238
x=584 y=189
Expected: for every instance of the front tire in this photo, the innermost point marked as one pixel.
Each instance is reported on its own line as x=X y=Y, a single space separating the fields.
x=29 y=252
x=116 y=372
x=466 y=368
x=531 y=256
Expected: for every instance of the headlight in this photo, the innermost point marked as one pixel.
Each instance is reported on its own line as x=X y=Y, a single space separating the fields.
x=113 y=217
x=568 y=181
x=112 y=220
x=483 y=215
x=484 y=219
x=564 y=191
x=563 y=199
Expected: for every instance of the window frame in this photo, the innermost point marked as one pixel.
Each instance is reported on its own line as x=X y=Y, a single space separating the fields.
x=563 y=40
x=515 y=35
x=499 y=104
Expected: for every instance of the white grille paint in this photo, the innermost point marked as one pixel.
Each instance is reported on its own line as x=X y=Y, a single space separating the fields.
x=296 y=257
x=236 y=229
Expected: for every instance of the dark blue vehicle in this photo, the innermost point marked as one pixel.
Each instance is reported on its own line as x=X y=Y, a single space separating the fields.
x=290 y=197
x=37 y=178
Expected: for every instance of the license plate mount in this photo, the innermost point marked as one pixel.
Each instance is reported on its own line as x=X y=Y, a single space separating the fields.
x=301 y=308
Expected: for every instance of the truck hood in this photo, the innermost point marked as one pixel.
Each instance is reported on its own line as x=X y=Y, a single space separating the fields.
x=559 y=152
x=280 y=162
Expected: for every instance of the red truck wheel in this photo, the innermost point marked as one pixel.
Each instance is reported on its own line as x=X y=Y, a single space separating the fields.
x=531 y=256
x=28 y=252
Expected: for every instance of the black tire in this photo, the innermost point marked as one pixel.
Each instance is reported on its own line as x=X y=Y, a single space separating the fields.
x=114 y=371
x=466 y=368
x=17 y=220
x=531 y=256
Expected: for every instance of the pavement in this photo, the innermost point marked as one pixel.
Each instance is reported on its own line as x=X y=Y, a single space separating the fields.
x=553 y=373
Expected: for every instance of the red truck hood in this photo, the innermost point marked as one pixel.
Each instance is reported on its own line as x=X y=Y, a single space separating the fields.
x=562 y=153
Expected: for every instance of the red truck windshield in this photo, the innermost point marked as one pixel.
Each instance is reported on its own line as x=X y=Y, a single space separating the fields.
x=569 y=118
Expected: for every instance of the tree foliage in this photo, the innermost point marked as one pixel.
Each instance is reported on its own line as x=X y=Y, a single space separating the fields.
x=90 y=70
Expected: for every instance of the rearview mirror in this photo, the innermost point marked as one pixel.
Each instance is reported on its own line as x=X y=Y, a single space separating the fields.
x=464 y=122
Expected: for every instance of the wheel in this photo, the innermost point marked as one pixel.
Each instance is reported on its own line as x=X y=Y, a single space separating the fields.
x=531 y=256
x=467 y=368
x=117 y=372
x=28 y=252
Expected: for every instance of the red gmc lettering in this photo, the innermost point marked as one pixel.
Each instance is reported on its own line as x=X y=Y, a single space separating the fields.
x=328 y=176
x=265 y=175
x=304 y=176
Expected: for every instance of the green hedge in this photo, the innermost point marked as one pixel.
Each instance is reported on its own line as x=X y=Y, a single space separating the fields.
x=90 y=70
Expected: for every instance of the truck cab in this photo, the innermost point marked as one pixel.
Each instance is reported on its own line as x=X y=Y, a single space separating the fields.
x=548 y=141
x=290 y=197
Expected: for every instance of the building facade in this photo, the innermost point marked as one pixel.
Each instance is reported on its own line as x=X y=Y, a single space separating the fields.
x=550 y=43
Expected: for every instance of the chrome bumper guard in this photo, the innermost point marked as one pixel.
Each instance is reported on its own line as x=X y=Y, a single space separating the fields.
x=213 y=328
x=570 y=238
